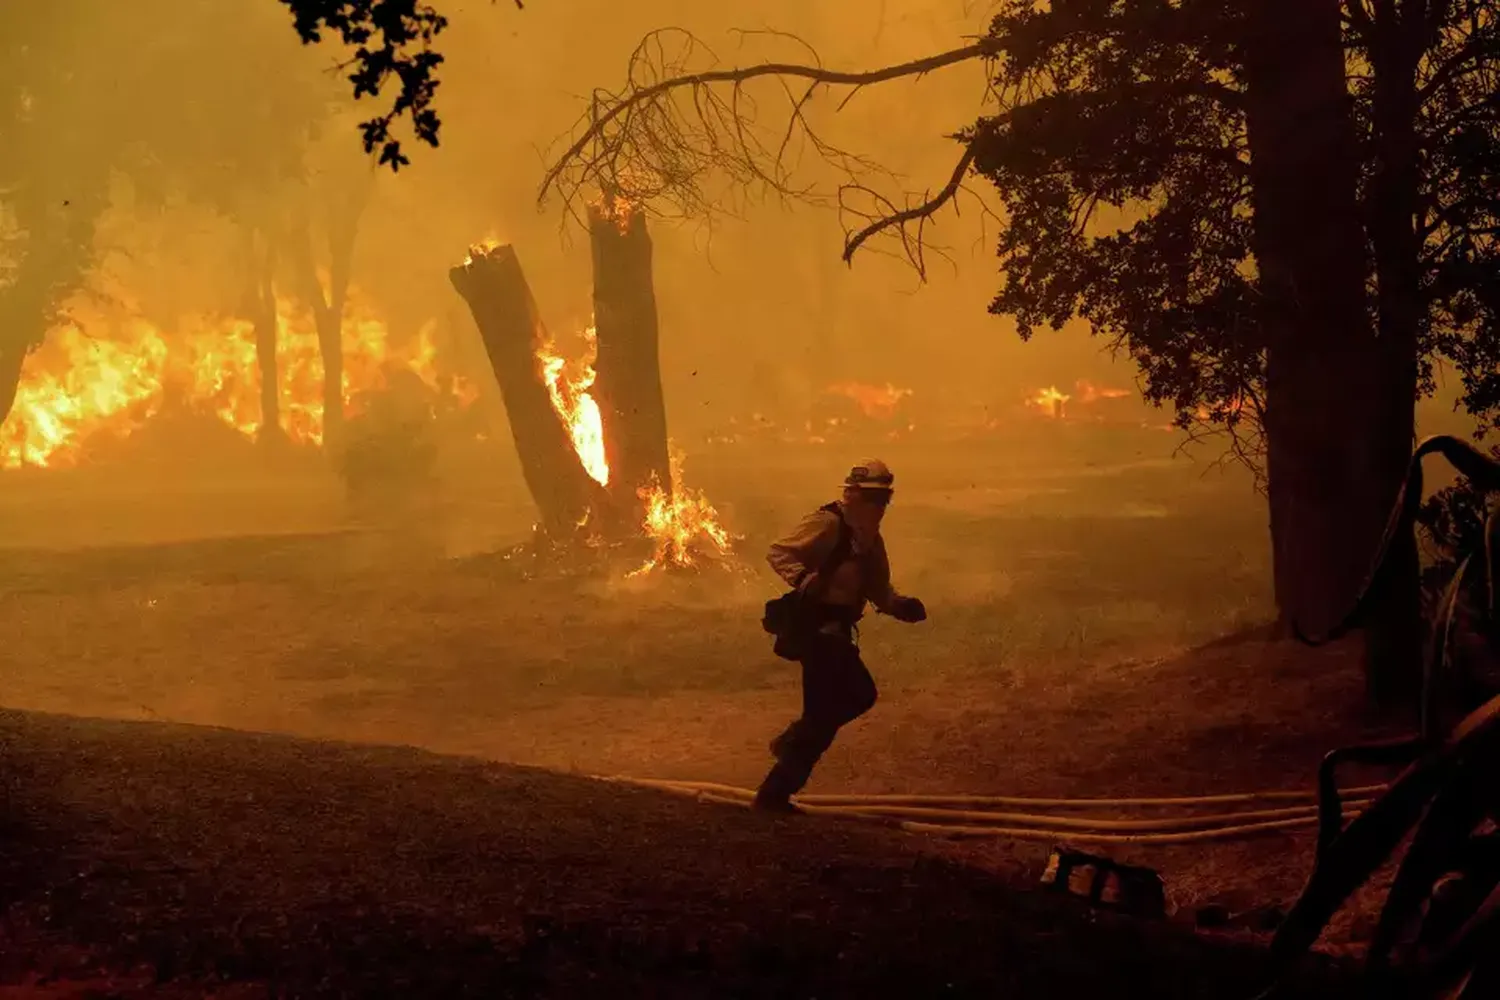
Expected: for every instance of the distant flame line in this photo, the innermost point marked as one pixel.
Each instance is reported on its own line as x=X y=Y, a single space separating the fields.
x=76 y=387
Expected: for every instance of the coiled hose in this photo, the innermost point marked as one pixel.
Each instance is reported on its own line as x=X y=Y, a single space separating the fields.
x=966 y=815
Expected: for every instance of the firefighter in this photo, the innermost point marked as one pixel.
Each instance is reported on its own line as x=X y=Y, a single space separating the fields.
x=835 y=561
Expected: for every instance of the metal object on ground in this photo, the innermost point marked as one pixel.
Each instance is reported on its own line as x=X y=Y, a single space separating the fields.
x=1105 y=882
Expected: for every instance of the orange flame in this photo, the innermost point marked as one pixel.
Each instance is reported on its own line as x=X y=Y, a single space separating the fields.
x=1088 y=392
x=568 y=385
x=486 y=246
x=873 y=400
x=616 y=208
x=681 y=522
x=76 y=387
x=1050 y=401
x=1231 y=410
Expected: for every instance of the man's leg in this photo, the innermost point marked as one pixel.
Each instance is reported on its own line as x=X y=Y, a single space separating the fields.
x=853 y=687
x=836 y=688
x=814 y=697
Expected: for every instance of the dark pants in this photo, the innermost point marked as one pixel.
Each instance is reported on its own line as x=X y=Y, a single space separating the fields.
x=836 y=690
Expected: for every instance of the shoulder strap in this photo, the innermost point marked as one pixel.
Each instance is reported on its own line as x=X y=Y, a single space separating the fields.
x=843 y=546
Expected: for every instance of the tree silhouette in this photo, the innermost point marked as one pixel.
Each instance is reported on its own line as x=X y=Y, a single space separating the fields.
x=391 y=38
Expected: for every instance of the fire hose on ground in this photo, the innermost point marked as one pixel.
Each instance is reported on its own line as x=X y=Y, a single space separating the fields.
x=996 y=816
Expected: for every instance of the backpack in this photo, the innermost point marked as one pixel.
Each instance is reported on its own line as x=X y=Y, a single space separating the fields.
x=788 y=617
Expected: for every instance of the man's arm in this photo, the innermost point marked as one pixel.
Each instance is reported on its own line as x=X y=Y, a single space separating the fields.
x=885 y=597
x=881 y=593
x=796 y=557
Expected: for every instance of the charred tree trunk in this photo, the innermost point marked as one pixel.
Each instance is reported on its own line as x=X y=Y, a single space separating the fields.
x=264 y=316
x=628 y=365
x=344 y=207
x=328 y=318
x=493 y=285
x=1328 y=418
x=331 y=348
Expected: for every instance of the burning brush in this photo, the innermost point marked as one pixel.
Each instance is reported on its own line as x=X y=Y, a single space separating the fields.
x=76 y=387
x=682 y=524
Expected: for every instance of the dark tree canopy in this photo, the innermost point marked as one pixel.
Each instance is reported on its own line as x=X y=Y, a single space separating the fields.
x=391 y=38
x=1122 y=170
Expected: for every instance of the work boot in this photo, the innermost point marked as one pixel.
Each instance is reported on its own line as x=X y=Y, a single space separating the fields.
x=775 y=792
x=776 y=805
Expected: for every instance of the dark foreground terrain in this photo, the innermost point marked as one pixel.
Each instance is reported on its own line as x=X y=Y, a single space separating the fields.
x=181 y=861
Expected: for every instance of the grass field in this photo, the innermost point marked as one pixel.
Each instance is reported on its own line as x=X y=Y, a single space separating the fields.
x=1093 y=614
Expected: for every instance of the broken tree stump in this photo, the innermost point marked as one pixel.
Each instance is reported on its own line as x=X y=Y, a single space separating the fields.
x=492 y=283
x=628 y=365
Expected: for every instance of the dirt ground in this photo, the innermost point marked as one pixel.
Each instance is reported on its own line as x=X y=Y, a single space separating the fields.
x=151 y=860
x=1093 y=633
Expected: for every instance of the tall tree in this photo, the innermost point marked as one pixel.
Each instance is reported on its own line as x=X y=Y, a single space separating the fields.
x=331 y=204
x=1334 y=460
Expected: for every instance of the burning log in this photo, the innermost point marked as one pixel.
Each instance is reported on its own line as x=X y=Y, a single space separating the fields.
x=492 y=283
x=628 y=386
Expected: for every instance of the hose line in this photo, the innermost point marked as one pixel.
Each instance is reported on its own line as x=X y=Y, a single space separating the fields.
x=929 y=814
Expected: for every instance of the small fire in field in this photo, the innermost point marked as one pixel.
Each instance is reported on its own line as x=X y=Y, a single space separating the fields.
x=76 y=387
x=1088 y=392
x=681 y=523
x=1058 y=405
x=1050 y=401
x=1229 y=410
x=568 y=383
x=875 y=401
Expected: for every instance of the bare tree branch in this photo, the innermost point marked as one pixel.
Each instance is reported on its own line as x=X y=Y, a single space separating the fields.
x=657 y=142
x=917 y=213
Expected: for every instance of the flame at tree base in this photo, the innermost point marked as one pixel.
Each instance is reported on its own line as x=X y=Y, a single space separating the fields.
x=682 y=524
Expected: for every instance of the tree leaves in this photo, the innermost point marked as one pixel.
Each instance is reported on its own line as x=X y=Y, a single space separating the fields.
x=391 y=38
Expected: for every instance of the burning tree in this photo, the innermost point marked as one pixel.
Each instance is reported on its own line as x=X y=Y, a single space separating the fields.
x=591 y=431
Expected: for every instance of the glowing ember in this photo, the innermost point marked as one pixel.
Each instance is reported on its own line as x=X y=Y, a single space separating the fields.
x=568 y=384
x=484 y=247
x=617 y=209
x=873 y=400
x=681 y=522
x=75 y=387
